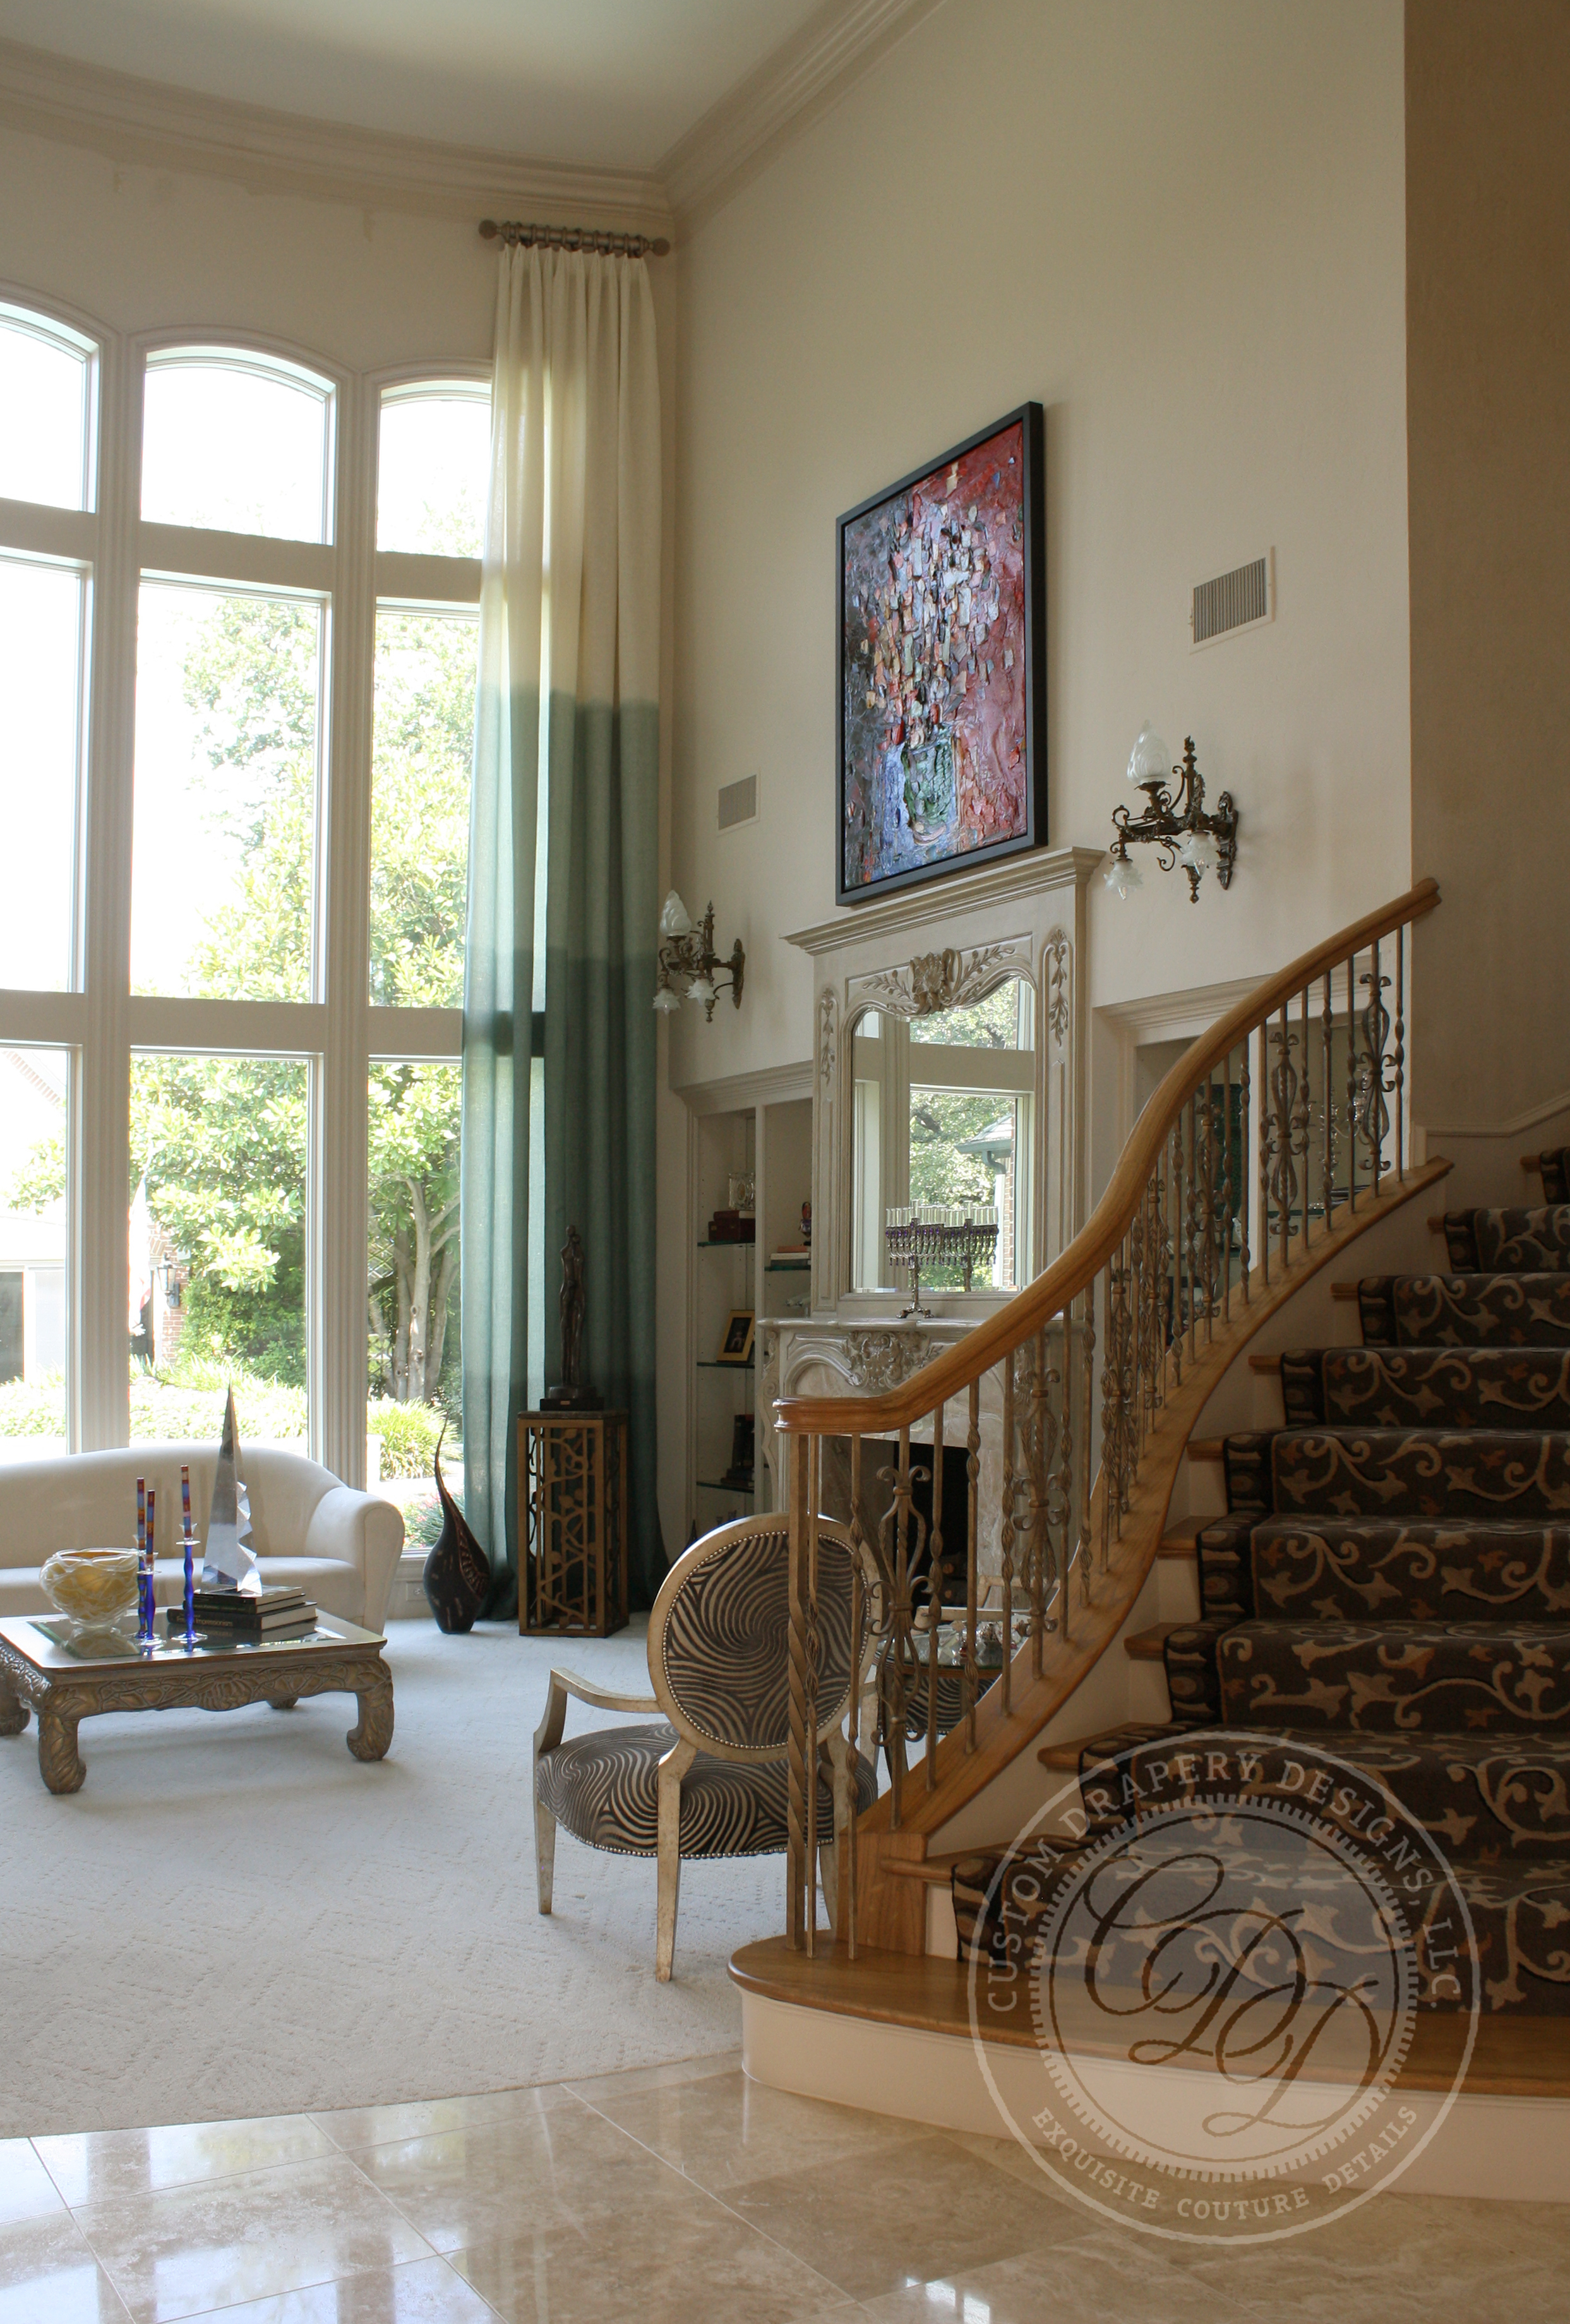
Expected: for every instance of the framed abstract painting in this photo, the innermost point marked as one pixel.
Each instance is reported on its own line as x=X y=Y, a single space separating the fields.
x=942 y=607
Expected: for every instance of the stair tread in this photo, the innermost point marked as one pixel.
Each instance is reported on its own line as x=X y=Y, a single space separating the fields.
x=1145 y=1646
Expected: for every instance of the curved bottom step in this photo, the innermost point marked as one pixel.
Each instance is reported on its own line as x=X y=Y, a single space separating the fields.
x=892 y=2031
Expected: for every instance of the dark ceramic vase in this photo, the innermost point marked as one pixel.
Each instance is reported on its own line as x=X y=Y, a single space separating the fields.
x=458 y=1572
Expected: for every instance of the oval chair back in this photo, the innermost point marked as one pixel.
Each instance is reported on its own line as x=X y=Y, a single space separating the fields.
x=719 y=1634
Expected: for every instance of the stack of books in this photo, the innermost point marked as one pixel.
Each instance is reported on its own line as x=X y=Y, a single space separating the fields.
x=253 y=1614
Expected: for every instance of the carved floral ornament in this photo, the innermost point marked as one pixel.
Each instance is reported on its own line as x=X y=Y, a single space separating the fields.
x=936 y=981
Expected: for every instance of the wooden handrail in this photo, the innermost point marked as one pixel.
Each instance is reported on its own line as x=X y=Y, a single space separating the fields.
x=1073 y=1269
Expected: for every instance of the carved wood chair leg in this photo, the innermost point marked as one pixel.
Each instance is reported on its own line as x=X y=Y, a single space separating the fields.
x=672 y=1768
x=544 y=1851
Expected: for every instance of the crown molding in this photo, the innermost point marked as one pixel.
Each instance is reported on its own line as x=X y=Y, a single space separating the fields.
x=807 y=74
x=156 y=124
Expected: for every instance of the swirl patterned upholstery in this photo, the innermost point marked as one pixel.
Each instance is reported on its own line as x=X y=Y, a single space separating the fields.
x=712 y=1778
x=724 y=1649
x=604 y=1788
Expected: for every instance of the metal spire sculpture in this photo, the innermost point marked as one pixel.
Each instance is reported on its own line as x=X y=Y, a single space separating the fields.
x=228 y=1561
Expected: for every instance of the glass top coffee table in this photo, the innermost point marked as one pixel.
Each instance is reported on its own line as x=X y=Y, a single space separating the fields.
x=65 y=1680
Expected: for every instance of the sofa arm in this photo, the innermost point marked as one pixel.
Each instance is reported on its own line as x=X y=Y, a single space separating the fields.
x=361 y=1530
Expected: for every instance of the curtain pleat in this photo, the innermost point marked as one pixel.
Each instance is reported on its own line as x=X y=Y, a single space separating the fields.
x=570 y=608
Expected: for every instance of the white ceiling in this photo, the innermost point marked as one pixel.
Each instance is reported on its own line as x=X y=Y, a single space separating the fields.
x=606 y=83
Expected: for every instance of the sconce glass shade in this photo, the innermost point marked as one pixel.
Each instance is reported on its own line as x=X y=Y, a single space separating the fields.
x=702 y=989
x=666 y=1001
x=674 y=920
x=1122 y=876
x=1198 y=851
x=1149 y=760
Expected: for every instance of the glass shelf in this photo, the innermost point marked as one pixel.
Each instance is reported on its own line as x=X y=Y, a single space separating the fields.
x=788 y=1267
x=705 y=1245
x=715 y=1364
x=714 y=1485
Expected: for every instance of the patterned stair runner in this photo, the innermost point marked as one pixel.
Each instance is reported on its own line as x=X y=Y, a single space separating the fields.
x=1392 y=1585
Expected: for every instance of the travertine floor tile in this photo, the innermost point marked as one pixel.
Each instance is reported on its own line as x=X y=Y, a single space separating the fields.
x=567 y=2169
x=726 y=2131
x=686 y=2261
x=1113 y=2278
x=905 y=2212
x=48 y=2274
x=105 y=2166
x=351 y=2127
x=639 y=2079
x=230 y=2240
x=425 y=2292
x=26 y=2190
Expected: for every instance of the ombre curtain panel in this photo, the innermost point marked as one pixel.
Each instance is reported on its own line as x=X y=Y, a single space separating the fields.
x=564 y=803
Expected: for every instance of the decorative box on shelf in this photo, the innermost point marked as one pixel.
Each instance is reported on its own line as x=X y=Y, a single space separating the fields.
x=573 y=1466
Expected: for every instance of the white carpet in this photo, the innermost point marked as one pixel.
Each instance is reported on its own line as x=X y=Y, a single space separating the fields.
x=235 y=1917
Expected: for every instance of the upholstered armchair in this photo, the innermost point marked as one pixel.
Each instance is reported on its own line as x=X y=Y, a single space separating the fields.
x=708 y=1778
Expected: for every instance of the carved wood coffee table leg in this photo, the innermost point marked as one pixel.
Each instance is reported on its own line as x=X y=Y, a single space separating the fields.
x=60 y=1763
x=371 y=1738
x=13 y=1709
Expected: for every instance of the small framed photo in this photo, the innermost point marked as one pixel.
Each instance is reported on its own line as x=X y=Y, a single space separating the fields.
x=744 y=1194
x=736 y=1347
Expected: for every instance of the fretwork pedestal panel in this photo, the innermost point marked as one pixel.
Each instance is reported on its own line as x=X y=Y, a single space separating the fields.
x=575 y=1562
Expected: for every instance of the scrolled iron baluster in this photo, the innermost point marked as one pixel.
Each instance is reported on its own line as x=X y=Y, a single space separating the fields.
x=1399 y=1086
x=1301 y=1121
x=1174 y=1317
x=1267 y=1155
x=797 y=1871
x=1327 y=1171
x=1374 y=1115
x=810 y=1703
x=1089 y=1377
x=1006 y=1529
x=1042 y=1431
x=1244 y=1173
x=972 y=1552
x=933 y=1597
x=1352 y=1087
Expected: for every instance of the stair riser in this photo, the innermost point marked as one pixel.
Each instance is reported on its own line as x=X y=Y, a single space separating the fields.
x=1335 y=1676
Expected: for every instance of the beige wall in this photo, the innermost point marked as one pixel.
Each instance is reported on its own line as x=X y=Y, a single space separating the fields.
x=1180 y=228
x=1488 y=306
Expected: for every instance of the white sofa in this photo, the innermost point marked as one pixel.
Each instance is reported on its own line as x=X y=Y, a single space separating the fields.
x=339 y=1546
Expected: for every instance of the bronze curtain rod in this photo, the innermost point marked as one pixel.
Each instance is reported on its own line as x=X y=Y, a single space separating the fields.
x=573 y=237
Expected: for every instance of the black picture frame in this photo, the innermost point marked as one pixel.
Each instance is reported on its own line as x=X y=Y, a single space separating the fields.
x=858 y=737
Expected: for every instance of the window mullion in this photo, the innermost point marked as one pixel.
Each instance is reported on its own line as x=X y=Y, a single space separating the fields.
x=337 y=1188
x=98 y=1393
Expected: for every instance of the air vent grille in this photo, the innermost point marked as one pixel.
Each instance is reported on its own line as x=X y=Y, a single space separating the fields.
x=738 y=803
x=1233 y=600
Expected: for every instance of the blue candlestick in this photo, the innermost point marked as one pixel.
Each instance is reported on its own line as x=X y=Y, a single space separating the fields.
x=190 y=1614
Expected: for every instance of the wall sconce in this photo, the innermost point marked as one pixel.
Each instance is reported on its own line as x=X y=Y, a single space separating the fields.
x=687 y=962
x=1174 y=822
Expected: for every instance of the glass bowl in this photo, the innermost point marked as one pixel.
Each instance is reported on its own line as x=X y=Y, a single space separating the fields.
x=91 y=1587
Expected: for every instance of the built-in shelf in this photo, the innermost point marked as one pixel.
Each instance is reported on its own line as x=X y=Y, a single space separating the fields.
x=720 y=1364
x=787 y=1267
x=738 y=1245
x=716 y=1485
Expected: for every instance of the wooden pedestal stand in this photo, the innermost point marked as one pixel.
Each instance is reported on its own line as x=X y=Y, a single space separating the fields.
x=574 y=1465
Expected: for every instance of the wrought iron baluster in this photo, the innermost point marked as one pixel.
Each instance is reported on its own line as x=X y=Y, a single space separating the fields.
x=1267 y=1148
x=933 y=1597
x=859 y=1620
x=1006 y=1529
x=1328 y=1169
x=1088 y=1376
x=1245 y=1172
x=798 y=1869
x=1352 y=1085
x=1227 y=1206
x=1041 y=1454
x=895 y=1691
x=1283 y=1081
x=973 y=1474
x=1301 y=1128
x=1400 y=1056
x=815 y=1445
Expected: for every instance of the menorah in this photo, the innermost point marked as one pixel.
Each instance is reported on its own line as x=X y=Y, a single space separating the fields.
x=925 y=1235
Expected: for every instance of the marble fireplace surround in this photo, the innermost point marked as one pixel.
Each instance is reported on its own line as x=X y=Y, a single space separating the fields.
x=911 y=953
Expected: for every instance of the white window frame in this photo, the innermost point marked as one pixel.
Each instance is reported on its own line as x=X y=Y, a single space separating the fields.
x=101 y=1023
